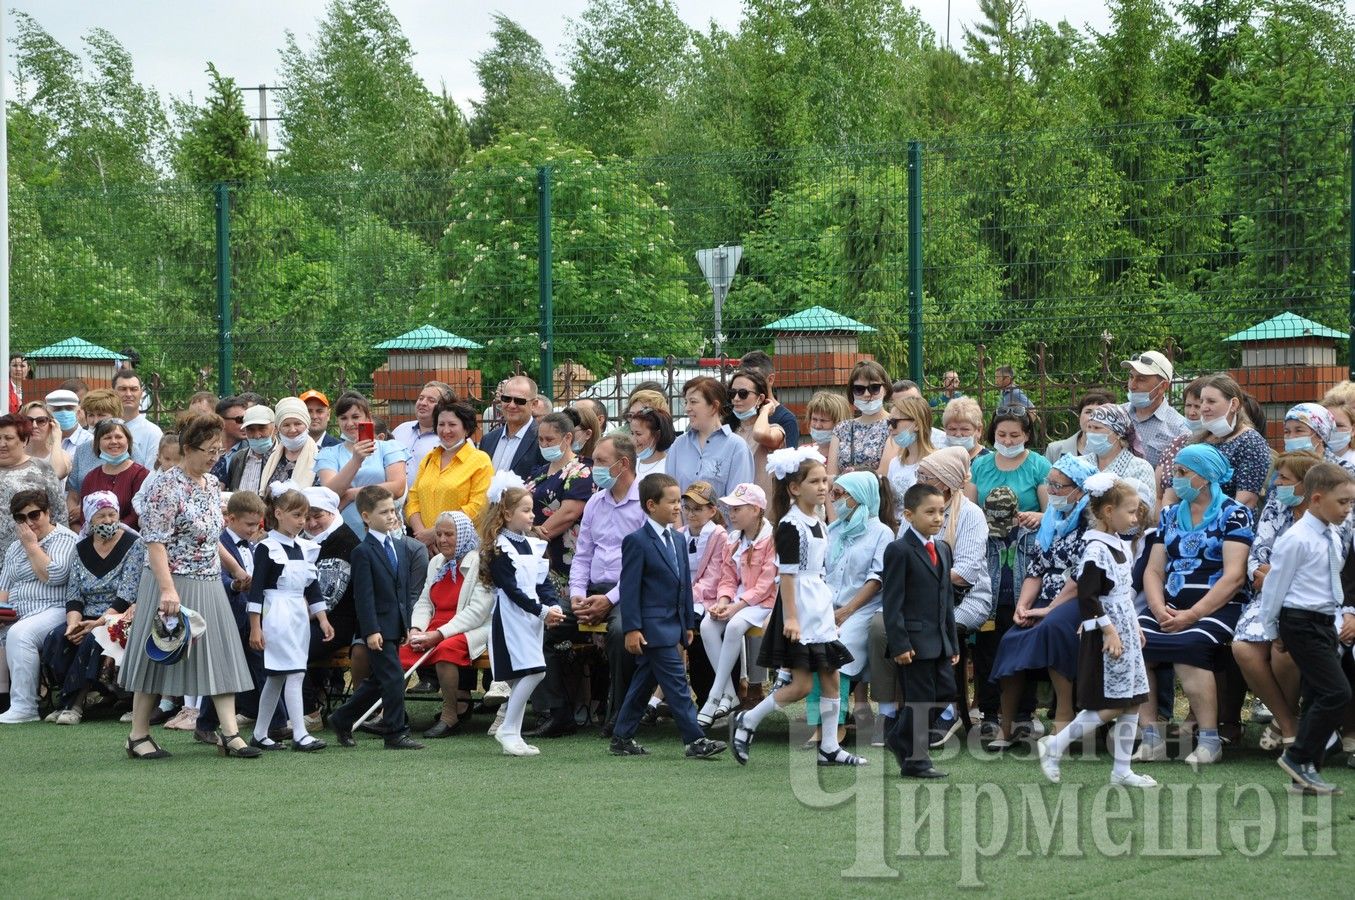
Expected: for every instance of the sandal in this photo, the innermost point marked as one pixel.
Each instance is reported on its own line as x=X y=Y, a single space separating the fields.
x=244 y=751
x=841 y=758
x=157 y=753
x=739 y=745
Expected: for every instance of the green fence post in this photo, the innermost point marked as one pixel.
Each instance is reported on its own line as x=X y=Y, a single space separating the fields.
x=915 y=261
x=225 y=349
x=1350 y=323
x=543 y=279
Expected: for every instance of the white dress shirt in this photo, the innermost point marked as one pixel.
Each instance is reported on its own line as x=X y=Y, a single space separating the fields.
x=1301 y=576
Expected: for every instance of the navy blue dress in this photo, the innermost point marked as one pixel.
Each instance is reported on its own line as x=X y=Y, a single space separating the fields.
x=1052 y=642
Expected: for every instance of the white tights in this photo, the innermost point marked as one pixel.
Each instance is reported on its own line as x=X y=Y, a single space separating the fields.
x=724 y=642
x=520 y=691
x=289 y=688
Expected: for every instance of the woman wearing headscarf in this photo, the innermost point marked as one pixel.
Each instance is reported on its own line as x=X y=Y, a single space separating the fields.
x=451 y=618
x=1196 y=587
x=293 y=456
x=1308 y=428
x=965 y=528
x=105 y=573
x=1113 y=444
x=1032 y=644
x=326 y=527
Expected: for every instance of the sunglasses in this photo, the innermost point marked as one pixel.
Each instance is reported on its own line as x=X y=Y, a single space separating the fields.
x=861 y=390
x=895 y=423
x=1019 y=411
x=742 y=394
x=517 y=401
x=39 y=420
x=238 y=420
x=32 y=515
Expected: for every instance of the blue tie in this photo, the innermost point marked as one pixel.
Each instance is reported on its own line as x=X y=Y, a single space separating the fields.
x=390 y=550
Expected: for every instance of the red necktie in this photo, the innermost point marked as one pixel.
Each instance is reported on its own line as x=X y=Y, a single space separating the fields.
x=931 y=551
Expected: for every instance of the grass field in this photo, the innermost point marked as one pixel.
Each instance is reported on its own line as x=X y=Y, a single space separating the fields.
x=459 y=818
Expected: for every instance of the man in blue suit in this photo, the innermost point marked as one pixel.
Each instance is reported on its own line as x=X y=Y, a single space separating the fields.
x=513 y=444
x=380 y=586
x=657 y=618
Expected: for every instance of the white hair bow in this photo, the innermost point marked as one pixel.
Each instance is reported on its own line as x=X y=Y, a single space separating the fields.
x=501 y=482
x=787 y=460
x=278 y=488
x=1099 y=483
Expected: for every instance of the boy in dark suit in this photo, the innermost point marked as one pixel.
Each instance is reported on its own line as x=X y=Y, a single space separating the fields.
x=657 y=619
x=380 y=586
x=919 y=620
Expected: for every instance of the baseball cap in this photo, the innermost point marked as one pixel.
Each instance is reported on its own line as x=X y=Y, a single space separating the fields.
x=258 y=415
x=701 y=492
x=1150 y=363
x=746 y=495
x=314 y=395
x=62 y=398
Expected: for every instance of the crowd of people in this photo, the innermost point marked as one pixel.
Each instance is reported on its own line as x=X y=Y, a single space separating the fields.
x=912 y=568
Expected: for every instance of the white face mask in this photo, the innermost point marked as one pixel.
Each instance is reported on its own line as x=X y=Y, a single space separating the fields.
x=965 y=442
x=294 y=443
x=869 y=407
x=1010 y=452
x=1219 y=427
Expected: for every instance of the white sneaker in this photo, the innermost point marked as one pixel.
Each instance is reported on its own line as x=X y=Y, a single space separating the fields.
x=498 y=690
x=69 y=717
x=1049 y=762
x=243 y=720
x=1151 y=751
x=1203 y=756
x=1348 y=745
x=517 y=747
x=1037 y=729
x=125 y=718
x=53 y=715
x=14 y=717
x=498 y=720
x=1133 y=779
x=185 y=719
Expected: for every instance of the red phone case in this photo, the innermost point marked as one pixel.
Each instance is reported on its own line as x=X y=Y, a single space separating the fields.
x=366 y=431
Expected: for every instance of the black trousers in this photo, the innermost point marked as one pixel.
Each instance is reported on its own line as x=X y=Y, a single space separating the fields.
x=988 y=694
x=553 y=694
x=1310 y=639
x=387 y=682
x=926 y=686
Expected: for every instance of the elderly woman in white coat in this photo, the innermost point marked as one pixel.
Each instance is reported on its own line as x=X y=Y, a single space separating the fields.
x=450 y=621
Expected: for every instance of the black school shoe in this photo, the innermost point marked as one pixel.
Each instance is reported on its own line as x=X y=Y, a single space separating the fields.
x=704 y=748
x=628 y=747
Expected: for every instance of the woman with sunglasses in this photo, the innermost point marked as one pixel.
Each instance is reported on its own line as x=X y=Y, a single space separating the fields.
x=20 y=472
x=1012 y=464
x=45 y=442
x=32 y=581
x=910 y=442
x=117 y=472
x=751 y=405
x=859 y=444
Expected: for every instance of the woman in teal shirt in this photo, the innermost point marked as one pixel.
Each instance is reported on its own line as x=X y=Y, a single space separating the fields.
x=1011 y=465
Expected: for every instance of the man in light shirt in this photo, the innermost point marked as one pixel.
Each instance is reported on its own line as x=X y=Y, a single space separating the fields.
x=420 y=434
x=145 y=433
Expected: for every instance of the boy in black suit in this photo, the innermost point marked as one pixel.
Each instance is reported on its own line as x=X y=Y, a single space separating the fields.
x=919 y=620
x=380 y=586
x=657 y=617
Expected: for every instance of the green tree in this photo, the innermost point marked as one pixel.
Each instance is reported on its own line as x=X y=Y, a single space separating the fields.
x=519 y=90
x=214 y=141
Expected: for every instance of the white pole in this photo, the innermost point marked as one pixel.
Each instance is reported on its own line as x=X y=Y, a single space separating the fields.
x=4 y=214
x=365 y=716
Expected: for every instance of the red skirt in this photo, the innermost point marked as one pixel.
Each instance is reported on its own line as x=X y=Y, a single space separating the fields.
x=444 y=594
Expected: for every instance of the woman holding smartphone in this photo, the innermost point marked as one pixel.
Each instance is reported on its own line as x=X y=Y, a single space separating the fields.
x=360 y=460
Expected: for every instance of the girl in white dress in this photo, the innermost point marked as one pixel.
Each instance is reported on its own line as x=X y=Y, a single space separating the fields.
x=284 y=595
x=802 y=633
x=525 y=602
x=1112 y=679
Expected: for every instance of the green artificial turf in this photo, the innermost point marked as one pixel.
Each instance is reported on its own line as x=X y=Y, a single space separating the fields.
x=459 y=818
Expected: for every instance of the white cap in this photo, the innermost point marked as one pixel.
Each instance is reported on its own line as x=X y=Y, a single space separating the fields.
x=258 y=415
x=62 y=398
x=1150 y=363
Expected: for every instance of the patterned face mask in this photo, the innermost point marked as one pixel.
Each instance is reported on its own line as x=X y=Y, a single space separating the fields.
x=105 y=531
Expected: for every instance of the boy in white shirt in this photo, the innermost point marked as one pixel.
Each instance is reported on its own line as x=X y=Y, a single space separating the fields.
x=1300 y=601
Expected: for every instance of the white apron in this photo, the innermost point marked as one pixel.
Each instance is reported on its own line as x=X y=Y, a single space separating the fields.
x=521 y=634
x=286 y=614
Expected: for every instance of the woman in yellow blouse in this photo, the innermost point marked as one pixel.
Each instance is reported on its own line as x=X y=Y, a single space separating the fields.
x=453 y=476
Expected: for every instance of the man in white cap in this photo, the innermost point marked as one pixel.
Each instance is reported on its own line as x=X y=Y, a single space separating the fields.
x=1158 y=424
x=245 y=472
x=63 y=405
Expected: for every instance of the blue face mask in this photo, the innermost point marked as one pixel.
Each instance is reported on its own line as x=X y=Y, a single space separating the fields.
x=905 y=439
x=115 y=460
x=551 y=454
x=578 y=445
x=66 y=418
x=965 y=442
x=1285 y=494
x=1295 y=445
x=840 y=509
x=1098 y=444
x=1058 y=502
x=261 y=446
x=745 y=415
x=821 y=435
x=603 y=478
x=1340 y=440
x=1184 y=489
x=641 y=455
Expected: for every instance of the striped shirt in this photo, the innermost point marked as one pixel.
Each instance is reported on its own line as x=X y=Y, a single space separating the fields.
x=1157 y=432
x=27 y=594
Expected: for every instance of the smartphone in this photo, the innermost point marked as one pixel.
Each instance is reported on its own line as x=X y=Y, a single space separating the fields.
x=366 y=431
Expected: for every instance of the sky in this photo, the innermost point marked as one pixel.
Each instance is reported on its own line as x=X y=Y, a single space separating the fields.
x=171 y=41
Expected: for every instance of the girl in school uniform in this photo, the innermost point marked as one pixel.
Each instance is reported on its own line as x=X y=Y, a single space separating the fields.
x=1112 y=679
x=801 y=633
x=744 y=596
x=284 y=595
x=515 y=567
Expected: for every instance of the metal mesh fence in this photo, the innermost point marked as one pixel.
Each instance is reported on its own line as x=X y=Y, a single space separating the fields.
x=1055 y=252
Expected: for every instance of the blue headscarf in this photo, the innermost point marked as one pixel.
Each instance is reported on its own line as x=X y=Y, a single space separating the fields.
x=1207 y=462
x=1056 y=523
x=864 y=488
